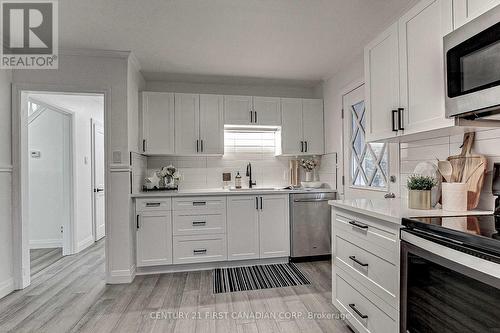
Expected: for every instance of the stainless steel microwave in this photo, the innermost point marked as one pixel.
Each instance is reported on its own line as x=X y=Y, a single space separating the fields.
x=472 y=67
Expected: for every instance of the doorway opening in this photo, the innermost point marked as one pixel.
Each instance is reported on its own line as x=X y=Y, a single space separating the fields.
x=65 y=178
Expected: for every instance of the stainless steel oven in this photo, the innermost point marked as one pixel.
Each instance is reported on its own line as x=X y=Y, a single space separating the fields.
x=450 y=275
x=472 y=67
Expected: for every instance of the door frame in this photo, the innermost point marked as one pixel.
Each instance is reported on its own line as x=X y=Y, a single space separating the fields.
x=93 y=123
x=20 y=198
x=69 y=234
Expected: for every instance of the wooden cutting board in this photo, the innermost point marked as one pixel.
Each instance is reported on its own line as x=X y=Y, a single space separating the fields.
x=469 y=168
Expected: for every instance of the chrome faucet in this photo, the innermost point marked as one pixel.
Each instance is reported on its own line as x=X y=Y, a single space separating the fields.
x=249 y=175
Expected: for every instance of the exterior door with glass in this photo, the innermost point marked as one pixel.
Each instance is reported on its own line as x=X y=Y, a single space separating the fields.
x=367 y=166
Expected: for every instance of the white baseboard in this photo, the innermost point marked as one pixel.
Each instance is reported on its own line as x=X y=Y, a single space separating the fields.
x=6 y=287
x=121 y=276
x=208 y=265
x=45 y=243
x=83 y=244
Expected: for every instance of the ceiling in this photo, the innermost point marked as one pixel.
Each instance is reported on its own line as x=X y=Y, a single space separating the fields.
x=278 y=39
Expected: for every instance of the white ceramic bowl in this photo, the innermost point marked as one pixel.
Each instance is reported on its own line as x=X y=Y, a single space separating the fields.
x=311 y=184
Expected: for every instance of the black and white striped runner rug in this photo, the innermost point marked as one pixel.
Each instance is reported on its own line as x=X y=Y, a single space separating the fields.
x=227 y=280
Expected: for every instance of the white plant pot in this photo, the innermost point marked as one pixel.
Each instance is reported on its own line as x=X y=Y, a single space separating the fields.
x=454 y=197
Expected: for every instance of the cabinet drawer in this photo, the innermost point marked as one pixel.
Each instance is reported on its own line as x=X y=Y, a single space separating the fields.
x=200 y=204
x=361 y=312
x=196 y=249
x=375 y=273
x=368 y=236
x=153 y=204
x=186 y=223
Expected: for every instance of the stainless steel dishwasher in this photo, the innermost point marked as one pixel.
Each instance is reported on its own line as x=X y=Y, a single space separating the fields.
x=310 y=221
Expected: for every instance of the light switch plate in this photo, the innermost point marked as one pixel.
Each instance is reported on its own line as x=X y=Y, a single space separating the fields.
x=35 y=154
x=117 y=156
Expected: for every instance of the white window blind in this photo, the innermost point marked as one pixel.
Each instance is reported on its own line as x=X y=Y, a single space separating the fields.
x=249 y=142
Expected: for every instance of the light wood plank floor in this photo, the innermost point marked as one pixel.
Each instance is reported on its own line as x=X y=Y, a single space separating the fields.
x=43 y=258
x=71 y=296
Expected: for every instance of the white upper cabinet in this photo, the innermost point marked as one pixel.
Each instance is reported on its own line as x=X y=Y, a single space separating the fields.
x=238 y=110
x=158 y=123
x=466 y=10
x=267 y=111
x=292 y=136
x=248 y=110
x=404 y=73
x=302 y=127
x=274 y=226
x=199 y=124
x=212 y=124
x=382 y=84
x=187 y=124
x=313 y=124
x=421 y=59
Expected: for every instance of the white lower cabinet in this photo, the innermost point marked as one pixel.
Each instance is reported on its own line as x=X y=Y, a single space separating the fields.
x=365 y=274
x=193 y=230
x=242 y=227
x=199 y=248
x=154 y=238
x=273 y=227
x=258 y=227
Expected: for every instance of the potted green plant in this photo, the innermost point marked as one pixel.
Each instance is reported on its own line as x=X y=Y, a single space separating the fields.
x=419 y=191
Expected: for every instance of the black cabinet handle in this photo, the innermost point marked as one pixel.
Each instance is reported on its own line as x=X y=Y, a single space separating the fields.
x=143 y=145
x=251 y=116
x=301 y=146
x=197 y=146
x=307 y=148
x=199 y=203
x=400 y=119
x=256 y=203
x=197 y=223
x=201 y=146
x=261 y=206
x=137 y=221
x=359 y=225
x=353 y=306
x=394 y=115
x=153 y=204
x=255 y=117
x=200 y=251
x=353 y=258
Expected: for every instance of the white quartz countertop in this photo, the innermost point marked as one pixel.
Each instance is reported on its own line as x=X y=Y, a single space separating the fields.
x=219 y=191
x=394 y=210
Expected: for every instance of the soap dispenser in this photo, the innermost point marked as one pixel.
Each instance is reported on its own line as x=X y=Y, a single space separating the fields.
x=237 y=180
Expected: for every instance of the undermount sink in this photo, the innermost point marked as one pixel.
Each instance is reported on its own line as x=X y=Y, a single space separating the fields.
x=254 y=189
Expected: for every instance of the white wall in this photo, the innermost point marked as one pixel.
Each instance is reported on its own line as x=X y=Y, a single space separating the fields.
x=6 y=258
x=49 y=189
x=238 y=87
x=95 y=71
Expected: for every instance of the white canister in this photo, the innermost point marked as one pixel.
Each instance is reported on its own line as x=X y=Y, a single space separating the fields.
x=454 y=197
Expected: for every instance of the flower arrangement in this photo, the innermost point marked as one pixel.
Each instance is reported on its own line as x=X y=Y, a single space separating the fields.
x=308 y=165
x=168 y=176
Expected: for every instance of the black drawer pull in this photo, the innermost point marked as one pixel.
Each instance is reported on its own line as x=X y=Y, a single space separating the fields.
x=200 y=251
x=394 y=116
x=153 y=204
x=196 y=223
x=353 y=258
x=359 y=225
x=353 y=306
x=199 y=203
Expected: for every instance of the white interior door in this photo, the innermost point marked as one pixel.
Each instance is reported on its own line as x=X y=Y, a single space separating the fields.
x=367 y=167
x=98 y=179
